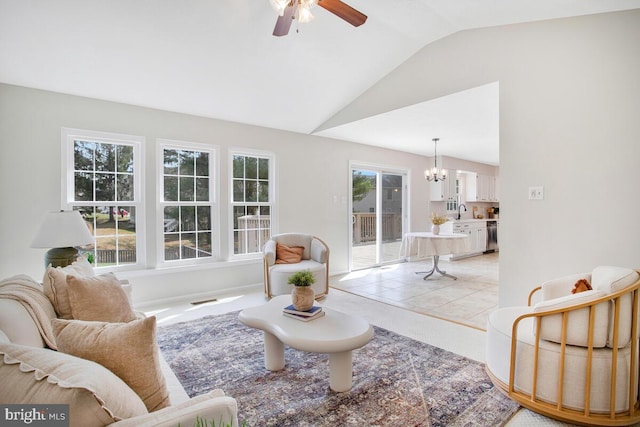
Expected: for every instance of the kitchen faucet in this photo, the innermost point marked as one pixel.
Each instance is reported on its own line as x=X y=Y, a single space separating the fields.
x=461 y=205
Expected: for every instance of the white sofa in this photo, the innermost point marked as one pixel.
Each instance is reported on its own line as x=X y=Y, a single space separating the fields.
x=572 y=356
x=32 y=373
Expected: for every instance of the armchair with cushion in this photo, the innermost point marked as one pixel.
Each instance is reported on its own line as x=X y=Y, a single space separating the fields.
x=285 y=254
x=572 y=355
x=87 y=348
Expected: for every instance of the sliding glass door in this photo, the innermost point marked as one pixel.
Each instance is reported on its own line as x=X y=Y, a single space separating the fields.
x=378 y=206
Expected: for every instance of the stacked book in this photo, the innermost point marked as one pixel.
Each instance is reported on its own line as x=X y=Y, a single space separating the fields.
x=304 y=316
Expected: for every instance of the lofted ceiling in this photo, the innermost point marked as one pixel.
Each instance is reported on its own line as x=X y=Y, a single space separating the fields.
x=218 y=58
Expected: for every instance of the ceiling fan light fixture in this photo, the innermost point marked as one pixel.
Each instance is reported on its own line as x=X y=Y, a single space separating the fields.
x=291 y=10
x=304 y=13
x=279 y=5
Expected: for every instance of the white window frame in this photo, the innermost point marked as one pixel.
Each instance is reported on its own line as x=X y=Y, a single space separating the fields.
x=68 y=138
x=234 y=151
x=214 y=187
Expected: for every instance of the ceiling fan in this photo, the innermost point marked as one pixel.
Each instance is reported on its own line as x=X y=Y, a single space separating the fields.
x=301 y=9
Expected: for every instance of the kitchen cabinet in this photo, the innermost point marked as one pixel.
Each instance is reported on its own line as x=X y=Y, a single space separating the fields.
x=445 y=191
x=482 y=188
x=480 y=236
x=477 y=232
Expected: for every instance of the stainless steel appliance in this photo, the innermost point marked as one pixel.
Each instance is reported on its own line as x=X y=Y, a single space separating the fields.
x=492 y=236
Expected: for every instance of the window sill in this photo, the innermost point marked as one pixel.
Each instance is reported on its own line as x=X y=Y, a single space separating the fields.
x=156 y=271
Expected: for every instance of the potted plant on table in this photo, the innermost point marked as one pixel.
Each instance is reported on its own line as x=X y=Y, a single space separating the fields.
x=302 y=294
x=437 y=221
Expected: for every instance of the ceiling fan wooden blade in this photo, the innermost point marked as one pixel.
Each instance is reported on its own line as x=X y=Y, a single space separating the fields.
x=284 y=22
x=344 y=11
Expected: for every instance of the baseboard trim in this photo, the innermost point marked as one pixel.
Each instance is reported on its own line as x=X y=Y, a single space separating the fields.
x=200 y=296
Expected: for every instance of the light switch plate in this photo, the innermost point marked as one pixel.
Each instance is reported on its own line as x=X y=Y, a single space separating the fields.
x=536 y=193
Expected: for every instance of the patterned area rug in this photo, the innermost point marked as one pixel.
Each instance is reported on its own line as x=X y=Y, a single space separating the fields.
x=397 y=381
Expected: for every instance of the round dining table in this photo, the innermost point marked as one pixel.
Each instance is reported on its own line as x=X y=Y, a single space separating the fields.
x=424 y=244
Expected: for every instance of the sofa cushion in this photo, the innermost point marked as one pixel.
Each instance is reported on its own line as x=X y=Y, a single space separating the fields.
x=127 y=349
x=578 y=320
x=559 y=287
x=99 y=298
x=54 y=284
x=288 y=254
x=612 y=279
x=216 y=408
x=96 y=396
x=280 y=273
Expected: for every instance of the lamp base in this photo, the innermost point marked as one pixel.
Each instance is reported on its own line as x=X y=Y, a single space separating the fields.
x=60 y=257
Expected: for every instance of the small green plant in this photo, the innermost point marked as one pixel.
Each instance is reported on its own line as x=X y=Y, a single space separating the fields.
x=301 y=278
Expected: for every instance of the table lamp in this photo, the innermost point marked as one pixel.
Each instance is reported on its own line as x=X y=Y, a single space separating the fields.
x=62 y=231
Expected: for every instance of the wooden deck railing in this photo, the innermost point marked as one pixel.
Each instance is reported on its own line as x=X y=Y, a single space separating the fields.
x=364 y=227
x=253 y=232
x=108 y=256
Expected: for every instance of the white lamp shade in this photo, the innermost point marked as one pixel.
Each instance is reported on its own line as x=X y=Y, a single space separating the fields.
x=62 y=229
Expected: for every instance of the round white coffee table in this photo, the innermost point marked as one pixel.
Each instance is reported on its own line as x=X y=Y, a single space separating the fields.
x=336 y=334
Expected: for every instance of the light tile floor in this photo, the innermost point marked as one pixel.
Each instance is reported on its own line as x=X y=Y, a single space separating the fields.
x=467 y=300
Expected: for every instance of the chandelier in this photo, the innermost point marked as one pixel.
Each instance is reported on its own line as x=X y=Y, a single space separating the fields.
x=302 y=8
x=435 y=174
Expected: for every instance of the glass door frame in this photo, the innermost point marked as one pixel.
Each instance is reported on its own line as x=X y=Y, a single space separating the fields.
x=379 y=170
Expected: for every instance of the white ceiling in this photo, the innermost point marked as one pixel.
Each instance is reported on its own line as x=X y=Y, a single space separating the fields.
x=465 y=122
x=217 y=58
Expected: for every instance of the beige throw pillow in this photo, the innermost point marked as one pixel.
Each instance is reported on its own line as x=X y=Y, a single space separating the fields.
x=54 y=284
x=129 y=350
x=96 y=397
x=100 y=298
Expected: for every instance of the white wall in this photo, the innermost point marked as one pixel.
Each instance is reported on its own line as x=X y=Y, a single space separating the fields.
x=569 y=121
x=569 y=105
x=311 y=171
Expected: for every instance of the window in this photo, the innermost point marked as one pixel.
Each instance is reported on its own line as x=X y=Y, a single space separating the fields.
x=103 y=182
x=251 y=201
x=187 y=201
